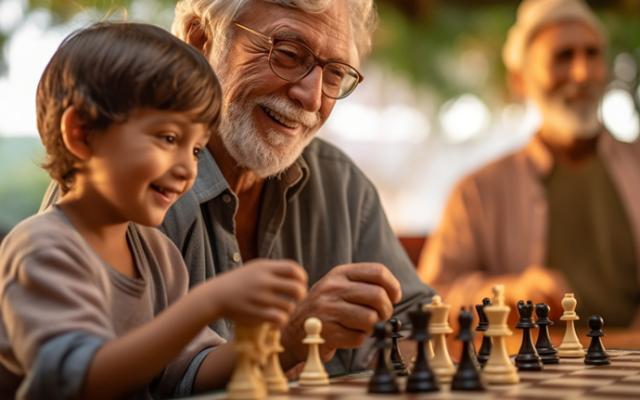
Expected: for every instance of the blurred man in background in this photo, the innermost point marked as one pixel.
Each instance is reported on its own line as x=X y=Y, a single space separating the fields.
x=562 y=213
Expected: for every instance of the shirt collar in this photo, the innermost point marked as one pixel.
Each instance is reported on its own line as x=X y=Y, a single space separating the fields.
x=541 y=157
x=210 y=182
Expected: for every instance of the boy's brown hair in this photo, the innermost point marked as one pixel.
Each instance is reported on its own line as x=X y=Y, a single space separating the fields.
x=108 y=70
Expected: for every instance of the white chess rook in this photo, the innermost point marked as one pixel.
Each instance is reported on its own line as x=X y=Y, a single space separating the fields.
x=438 y=329
x=499 y=368
x=313 y=373
x=570 y=346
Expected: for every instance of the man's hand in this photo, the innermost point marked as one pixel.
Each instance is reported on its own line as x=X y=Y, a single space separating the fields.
x=348 y=300
x=541 y=285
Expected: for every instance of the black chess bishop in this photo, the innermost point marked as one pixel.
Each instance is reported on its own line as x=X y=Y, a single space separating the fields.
x=383 y=380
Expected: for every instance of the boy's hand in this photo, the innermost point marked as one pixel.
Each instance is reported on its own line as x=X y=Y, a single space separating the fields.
x=260 y=291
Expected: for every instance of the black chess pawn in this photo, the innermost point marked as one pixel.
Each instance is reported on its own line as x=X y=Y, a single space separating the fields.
x=397 y=363
x=527 y=358
x=383 y=379
x=422 y=378
x=596 y=355
x=483 y=325
x=546 y=351
x=467 y=376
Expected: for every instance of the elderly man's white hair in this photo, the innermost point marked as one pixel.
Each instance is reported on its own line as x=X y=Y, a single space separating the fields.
x=534 y=15
x=216 y=16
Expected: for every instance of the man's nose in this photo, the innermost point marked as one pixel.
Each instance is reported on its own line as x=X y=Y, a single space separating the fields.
x=308 y=90
x=581 y=68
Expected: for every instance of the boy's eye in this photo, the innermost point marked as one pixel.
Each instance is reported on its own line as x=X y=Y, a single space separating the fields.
x=197 y=152
x=169 y=138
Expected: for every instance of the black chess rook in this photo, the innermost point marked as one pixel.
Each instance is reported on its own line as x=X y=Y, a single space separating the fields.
x=527 y=358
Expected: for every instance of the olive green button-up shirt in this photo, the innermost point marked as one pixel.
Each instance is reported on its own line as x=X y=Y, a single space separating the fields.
x=321 y=212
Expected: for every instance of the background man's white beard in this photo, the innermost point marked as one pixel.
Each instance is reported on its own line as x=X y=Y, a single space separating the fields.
x=567 y=125
x=243 y=142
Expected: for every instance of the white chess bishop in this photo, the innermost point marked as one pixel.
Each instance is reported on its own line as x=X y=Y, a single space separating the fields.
x=570 y=346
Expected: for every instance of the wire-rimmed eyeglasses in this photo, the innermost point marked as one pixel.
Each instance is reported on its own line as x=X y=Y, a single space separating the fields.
x=292 y=61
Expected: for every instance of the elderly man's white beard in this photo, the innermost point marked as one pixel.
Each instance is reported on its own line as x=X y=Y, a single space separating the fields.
x=270 y=155
x=567 y=121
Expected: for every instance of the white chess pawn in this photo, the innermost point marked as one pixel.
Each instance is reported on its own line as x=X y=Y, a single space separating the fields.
x=570 y=346
x=247 y=382
x=313 y=373
x=499 y=368
x=438 y=329
x=273 y=374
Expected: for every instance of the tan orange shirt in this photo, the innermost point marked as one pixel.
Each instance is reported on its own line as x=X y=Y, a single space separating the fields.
x=495 y=221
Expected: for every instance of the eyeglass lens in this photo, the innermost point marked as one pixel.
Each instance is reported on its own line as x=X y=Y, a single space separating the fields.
x=292 y=61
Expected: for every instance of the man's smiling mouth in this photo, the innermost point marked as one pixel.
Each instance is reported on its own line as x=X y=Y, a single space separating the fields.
x=279 y=118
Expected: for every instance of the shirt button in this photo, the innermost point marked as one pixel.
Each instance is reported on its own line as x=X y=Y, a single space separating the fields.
x=226 y=198
x=236 y=257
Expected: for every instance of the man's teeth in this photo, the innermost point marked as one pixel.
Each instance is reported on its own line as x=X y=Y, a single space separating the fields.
x=280 y=118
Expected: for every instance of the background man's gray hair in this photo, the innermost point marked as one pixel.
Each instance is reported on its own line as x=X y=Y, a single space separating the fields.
x=215 y=18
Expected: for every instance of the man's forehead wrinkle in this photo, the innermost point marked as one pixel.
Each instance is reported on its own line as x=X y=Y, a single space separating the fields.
x=322 y=32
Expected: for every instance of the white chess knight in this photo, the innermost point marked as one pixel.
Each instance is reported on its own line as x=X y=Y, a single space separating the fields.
x=247 y=381
x=499 y=367
x=313 y=373
x=570 y=346
x=438 y=329
x=273 y=374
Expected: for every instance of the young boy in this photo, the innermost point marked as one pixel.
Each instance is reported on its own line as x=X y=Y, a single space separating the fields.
x=93 y=300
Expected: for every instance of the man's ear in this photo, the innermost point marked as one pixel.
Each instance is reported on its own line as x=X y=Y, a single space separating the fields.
x=197 y=37
x=74 y=134
x=516 y=83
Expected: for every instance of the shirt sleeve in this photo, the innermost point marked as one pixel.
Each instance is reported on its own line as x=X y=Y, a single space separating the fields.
x=452 y=261
x=48 y=292
x=60 y=367
x=377 y=242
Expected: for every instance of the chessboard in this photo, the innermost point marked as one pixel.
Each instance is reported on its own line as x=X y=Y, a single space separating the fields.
x=570 y=379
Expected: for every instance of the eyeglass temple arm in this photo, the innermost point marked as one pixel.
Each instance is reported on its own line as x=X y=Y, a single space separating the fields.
x=246 y=28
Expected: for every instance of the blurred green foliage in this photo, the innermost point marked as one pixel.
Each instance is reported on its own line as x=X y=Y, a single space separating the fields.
x=420 y=39
x=23 y=181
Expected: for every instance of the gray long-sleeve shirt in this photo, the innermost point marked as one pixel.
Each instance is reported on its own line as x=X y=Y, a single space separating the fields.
x=321 y=212
x=59 y=302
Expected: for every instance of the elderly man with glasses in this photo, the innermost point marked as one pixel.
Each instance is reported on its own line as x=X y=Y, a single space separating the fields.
x=268 y=188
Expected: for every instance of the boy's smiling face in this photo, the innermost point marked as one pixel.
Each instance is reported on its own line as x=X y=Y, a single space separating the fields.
x=140 y=167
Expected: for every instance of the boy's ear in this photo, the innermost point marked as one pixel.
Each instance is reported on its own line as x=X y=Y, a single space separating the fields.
x=197 y=37
x=74 y=134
